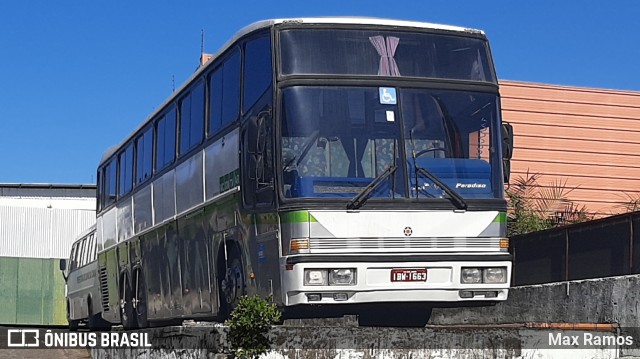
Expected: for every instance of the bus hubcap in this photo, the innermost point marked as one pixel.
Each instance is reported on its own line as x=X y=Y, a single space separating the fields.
x=232 y=284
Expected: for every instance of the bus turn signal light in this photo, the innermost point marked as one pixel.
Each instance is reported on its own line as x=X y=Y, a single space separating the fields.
x=299 y=245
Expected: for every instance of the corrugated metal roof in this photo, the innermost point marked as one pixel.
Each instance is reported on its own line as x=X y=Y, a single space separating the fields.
x=41 y=232
x=38 y=190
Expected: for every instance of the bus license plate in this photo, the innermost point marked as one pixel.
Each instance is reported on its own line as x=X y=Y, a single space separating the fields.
x=409 y=275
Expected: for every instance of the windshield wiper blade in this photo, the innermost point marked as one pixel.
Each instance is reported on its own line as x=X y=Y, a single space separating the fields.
x=363 y=196
x=453 y=196
x=305 y=149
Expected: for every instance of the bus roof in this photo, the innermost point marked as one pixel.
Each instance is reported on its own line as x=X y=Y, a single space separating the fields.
x=264 y=24
x=85 y=232
x=361 y=21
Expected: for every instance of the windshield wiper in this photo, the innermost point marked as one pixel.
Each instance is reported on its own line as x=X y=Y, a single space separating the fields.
x=363 y=196
x=453 y=196
x=305 y=149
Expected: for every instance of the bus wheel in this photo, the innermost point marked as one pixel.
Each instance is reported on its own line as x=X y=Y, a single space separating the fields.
x=92 y=320
x=95 y=321
x=126 y=304
x=73 y=324
x=141 y=300
x=231 y=284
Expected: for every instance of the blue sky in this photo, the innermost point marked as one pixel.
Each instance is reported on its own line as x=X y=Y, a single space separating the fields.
x=78 y=76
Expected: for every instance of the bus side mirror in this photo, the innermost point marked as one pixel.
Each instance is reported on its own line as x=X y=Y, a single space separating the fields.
x=506 y=170
x=63 y=268
x=256 y=143
x=252 y=134
x=258 y=179
x=507 y=141
x=507 y=150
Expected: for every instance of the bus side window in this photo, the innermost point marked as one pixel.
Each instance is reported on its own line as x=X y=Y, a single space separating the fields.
x=144 y=155
x=92 y=248
x=99 y=198
x=215 y=101
x=191 y=118
x=166 y=139
x=87 y=249
x=224 y=92
x=231 y=88
x=76 y=256
x=258 y=72
x=109 y=182
x=125 y=170
x=83 y=252
x=72 y=257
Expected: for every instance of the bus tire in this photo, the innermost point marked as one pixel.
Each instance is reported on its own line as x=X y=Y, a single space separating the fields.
x=127 y=313
x=231 y=282
x=73 y=324
x=95 y=321
x=92 y=322
x=141 y=299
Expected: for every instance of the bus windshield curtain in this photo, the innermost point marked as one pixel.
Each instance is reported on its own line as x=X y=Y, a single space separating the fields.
x=477 y=69
x=386 y=50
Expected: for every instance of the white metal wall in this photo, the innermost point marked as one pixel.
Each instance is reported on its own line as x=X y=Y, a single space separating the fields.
x=43 y=227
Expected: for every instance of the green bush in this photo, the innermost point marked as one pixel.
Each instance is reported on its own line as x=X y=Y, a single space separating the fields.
x=249 y=325
x=535 y=207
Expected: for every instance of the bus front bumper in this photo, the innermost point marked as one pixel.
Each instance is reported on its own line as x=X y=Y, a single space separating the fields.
x=385 y=279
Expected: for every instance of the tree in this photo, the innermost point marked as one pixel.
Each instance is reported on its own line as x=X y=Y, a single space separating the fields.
x=631 y=203
x=533 y=207
x=249 y=326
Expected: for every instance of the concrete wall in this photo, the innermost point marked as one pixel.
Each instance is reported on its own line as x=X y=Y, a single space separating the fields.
x=476 y=332
x=361 y=343
x=604 y=300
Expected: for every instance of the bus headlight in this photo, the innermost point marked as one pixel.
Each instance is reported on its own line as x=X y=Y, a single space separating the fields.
x=491 y=275
x=320 y=277
x=471 y=275
x=494 y=275
x=315 y=277
x=344 y=276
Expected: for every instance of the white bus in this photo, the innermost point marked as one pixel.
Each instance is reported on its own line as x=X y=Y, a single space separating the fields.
x=84 y=302
x=337 y=163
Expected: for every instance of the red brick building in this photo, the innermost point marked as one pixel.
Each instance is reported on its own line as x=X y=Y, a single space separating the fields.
x=587 y=138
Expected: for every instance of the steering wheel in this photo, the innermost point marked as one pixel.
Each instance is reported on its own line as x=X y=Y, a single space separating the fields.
x=430 y=149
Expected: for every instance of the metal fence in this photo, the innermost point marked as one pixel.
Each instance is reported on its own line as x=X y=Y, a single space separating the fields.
x=600 y=248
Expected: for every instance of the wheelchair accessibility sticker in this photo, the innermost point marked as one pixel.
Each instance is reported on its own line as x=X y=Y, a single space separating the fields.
x=388 y=96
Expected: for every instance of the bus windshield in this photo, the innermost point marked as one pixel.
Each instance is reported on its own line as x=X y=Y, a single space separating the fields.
x=385 y=53
x=337 y=140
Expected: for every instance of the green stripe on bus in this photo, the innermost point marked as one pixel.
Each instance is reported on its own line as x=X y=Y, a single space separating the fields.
x=297 y=217
x=501 y=218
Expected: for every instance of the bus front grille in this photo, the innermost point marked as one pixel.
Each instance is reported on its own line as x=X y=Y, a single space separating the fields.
x=404 y=244
x=104 y=290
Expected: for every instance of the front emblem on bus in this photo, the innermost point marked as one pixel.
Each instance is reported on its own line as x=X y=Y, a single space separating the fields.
x=408 y=231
